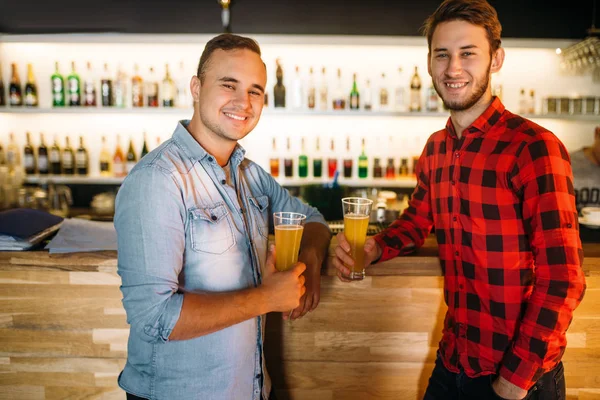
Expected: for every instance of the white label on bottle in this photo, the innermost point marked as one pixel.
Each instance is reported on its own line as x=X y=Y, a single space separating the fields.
x=11 y=157
x=119 y=167
x=54 y=156
x=80 y=160
x=67 y=160
x=42 y=163
x=129 y=166
x=28 y=161
x=57 y=86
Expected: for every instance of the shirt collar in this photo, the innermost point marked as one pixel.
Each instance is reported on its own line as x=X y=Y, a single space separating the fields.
x=484 y=122
x=194 y=150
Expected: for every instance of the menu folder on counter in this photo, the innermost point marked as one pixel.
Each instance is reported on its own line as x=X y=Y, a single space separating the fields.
x=23 y=228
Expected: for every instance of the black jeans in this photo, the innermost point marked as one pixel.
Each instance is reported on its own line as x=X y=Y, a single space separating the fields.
x=134 y=397
x=447 y=385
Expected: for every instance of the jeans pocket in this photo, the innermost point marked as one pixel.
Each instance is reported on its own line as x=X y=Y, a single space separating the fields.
x=210 y=229
x=559 y=382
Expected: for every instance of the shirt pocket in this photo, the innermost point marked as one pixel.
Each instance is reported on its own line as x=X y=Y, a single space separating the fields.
x=260 y=211
x=210 y=229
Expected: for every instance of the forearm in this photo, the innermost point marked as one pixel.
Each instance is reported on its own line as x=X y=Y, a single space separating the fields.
x=314 y=245
x=205 y=313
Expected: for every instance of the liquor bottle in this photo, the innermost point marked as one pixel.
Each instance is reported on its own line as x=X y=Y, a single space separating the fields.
x=432 y=100
x=332 y=160
x=31 y=94
x=119 y=167
x=279 y=88
x=152 y=90
x=42 y=159
x=302 y=161
x=317 y=162
x=29 y=157
x=274 y=161
x=183 y=91
x=312 y=90
x=74 y=87
x=55 y=164
x=363 y=162
x=400 y=93
x=354 y=95
x=348 y=161
x=120 y=97
x=531 y=103
x=89 y=87
x=497 y=89
x=58 y=87
x=339 y=99
x=2 y=155
x=68 y=158
x=368 y=97
x=14 y=90
x=523 y=102
x=105 y=159
x=377 y=169
x=415 y=91
x=137 y=88
x=82 y=160
x=2 y=89
x=106 y=88
x=323 y=91
x=390 y=169
x=144 y=147
x=13 y=158
x=168 y=89
x=403 y=170
x=297 y=90
x=384 y=98
x=288 y=162
x=131 y=157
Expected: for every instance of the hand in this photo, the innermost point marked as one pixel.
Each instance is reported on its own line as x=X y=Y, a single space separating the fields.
x=310 y=300
x=342 y=255
x=507 y=390
x=282 y=289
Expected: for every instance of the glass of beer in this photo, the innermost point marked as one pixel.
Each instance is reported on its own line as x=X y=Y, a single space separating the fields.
x=356 y=221
x=288 y=235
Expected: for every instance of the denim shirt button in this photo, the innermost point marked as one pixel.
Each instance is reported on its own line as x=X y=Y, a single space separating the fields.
x=210 y=159
x=213 y=217
x=223 y=181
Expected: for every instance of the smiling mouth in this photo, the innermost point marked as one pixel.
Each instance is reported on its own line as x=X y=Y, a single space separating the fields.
x=456 y=85
x=235 y=117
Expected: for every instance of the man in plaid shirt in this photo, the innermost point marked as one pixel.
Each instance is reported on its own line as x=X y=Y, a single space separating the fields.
x=499 y=190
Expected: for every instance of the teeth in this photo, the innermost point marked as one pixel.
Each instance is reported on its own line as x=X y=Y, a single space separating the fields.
x=456 y=85
x=236 y=117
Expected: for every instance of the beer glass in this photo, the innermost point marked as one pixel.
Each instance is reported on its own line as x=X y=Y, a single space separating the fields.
x=356 y=221
x=288 y=235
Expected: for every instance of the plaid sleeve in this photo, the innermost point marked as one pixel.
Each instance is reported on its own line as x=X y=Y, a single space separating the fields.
x=544 y=179
x=409 y=231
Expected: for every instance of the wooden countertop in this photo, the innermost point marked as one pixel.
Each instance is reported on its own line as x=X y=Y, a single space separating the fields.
x=422 y=263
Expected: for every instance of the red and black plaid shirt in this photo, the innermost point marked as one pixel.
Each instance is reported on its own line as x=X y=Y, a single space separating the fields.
x=502 y=202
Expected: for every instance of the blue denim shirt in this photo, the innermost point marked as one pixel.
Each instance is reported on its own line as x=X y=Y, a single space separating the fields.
x=181 y=228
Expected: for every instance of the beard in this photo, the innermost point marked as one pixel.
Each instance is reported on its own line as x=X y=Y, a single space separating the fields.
x=478 y=92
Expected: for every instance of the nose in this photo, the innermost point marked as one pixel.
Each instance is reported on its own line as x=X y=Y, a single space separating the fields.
x=241 y=99
x=454 y=68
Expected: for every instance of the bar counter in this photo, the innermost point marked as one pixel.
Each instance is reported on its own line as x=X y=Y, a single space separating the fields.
x=64 y=333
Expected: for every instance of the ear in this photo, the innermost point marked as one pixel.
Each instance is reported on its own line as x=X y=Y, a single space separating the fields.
x=195 y=87
x=429 y=64
x=497 y=60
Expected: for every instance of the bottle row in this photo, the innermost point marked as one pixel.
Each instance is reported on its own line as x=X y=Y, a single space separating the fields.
x=44 y=159
x=54 y=160
x=109 y=90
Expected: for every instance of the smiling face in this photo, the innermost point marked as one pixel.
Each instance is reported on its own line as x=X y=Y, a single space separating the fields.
x=230 y=99
x=460 y=64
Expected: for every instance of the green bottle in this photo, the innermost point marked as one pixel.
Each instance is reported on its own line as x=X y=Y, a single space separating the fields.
x=144 y=147
x=302 y=163
x=363 y=162
x=58 y=88
x=318 y=162
x=74 y=87
x=354 y=96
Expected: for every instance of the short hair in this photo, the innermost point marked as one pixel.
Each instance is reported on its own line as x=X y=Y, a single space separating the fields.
x=476 y=12
x=225 y=41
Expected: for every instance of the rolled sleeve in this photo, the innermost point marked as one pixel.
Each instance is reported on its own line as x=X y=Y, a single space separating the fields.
x=149 y=220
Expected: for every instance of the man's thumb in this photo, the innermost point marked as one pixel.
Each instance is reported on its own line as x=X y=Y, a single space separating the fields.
x=270 y=263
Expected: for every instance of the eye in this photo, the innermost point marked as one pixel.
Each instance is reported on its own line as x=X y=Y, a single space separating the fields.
x=468 y=53
x=255 y=93
x=441 y=55
x=227 y=86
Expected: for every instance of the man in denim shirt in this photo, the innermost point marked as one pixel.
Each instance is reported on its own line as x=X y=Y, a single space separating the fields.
x=192 y=222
